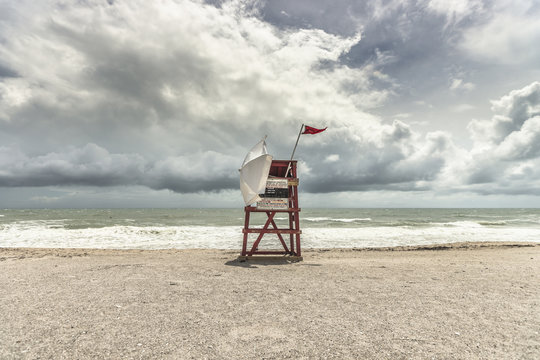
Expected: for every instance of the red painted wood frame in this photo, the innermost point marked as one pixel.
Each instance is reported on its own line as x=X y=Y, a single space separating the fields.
x=279 y=169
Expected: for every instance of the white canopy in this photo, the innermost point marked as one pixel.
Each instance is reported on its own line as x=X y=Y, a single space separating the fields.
x=254 y=172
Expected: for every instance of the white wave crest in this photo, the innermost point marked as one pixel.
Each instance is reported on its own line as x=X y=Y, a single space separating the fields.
x=122 y=237
x=345 y=220
x=230 y=237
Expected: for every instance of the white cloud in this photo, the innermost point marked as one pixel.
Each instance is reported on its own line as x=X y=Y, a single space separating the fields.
x=332 y=158
x=455 y=10
x=511 y=36
x=513 y=110
x=98 y=64
x=522 y=144
x=507 y=149
x=459 y=84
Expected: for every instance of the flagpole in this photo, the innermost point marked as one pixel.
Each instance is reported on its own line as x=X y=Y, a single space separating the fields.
x=295 y=145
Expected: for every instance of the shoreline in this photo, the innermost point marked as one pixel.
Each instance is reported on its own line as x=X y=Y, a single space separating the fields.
x=461 y=300
x=472 y=245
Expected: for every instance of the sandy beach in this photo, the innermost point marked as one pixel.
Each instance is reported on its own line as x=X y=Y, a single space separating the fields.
x=461 y=301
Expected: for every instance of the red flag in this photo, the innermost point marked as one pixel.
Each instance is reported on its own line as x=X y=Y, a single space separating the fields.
x=311 y=130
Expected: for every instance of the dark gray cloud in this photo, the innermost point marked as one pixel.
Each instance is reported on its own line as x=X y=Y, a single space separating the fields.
x=395 y=160
x=6 y=72
x=336 y=17
x=95 y=166
x=171 y=96
x=407 y=40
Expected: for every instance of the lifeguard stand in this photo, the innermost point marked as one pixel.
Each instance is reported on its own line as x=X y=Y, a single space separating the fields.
x=278 y=171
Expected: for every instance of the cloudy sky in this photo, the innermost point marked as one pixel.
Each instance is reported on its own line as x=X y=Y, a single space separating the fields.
x=428 y=103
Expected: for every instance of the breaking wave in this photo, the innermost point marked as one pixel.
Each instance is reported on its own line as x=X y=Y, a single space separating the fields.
x=222 y=228
x=346 y=220
x=230 y=237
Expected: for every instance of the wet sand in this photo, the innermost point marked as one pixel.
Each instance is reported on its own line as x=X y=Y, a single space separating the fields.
x=461 y=301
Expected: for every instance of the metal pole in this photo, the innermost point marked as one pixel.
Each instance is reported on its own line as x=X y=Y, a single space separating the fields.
x=295 y=145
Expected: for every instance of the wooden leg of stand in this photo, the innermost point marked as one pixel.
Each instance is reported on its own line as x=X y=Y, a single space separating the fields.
x=297 y=227
x=291 y=236
x=246 y=235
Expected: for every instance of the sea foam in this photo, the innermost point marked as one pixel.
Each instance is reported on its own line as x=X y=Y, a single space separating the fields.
x=52 y=235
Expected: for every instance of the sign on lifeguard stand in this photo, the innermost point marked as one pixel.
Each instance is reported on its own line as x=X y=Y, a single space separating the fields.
x=281 y=196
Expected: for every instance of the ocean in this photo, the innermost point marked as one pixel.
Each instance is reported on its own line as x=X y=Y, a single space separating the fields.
x=221 y=228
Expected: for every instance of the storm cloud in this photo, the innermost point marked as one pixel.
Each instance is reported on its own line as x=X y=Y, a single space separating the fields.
x=171 y=96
